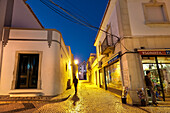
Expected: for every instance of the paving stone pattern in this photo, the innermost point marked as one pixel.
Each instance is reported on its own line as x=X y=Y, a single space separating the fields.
x=89 y=99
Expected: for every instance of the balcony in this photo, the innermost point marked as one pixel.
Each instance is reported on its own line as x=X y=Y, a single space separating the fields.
x=107 y=45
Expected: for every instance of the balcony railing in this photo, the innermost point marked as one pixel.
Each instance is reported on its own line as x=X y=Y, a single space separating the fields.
x=107 y=44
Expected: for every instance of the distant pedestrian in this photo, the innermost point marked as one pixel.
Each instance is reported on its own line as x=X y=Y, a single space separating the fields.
x=150 y=86
x=75 y=81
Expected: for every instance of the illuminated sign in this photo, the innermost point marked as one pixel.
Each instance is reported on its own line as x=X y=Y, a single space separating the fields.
x=113 y=59
x=167 y=52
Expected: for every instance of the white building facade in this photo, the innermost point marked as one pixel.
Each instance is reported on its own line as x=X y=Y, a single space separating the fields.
x=35 y=61
x=82 y=71
x=136 y=40
x=89 y=67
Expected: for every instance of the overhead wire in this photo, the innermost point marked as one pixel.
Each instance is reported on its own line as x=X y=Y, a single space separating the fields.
x=71 y=17
x=45 y=2
x=67 y=12
x=79 y=21
x=57 y=11
x=83 y=22
x=75 y=9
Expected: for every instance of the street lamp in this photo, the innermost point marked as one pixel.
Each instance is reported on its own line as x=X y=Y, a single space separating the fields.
x=76 y=67
x=76 y=61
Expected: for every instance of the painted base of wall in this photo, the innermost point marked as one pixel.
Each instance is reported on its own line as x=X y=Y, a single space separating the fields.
x=25 y=93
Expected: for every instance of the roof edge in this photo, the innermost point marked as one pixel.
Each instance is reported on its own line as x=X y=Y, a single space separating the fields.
x=33 y=13
x=102 y=20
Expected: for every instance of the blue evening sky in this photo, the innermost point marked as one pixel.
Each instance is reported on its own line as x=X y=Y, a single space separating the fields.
x=79 y=38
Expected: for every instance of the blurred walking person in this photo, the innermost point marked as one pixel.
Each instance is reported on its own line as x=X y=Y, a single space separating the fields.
x=75 y=81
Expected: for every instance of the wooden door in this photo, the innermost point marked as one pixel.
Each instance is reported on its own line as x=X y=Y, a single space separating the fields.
x=28 y=71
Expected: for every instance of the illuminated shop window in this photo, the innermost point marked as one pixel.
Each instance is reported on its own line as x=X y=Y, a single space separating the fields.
x=153 y=64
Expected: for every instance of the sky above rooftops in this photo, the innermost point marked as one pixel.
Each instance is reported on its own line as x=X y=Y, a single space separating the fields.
x=79 y=38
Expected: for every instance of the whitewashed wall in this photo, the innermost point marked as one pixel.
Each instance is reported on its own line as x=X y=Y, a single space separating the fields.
x=109 y=19
x=53 y=73
x=137 y=19
x=23 y=17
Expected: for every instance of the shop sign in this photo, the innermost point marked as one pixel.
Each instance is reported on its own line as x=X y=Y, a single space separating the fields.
x=154 y=52
x=113 y=59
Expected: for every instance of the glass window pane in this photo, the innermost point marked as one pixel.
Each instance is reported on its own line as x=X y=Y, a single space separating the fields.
x=165 y=60
x=148 y=60
x=164 y=69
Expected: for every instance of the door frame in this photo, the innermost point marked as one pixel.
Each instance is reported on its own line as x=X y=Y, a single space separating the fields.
x=16 y=67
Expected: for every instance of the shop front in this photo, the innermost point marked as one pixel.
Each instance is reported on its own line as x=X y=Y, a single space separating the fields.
x=112 y=73
x=158 y=63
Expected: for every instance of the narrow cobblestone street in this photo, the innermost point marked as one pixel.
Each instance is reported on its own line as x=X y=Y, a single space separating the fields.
x=89 y=99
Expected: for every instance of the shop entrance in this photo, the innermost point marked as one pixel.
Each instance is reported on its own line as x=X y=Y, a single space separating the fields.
x=159 y=66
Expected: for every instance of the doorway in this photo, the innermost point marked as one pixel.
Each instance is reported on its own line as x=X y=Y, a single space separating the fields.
x=27 y=76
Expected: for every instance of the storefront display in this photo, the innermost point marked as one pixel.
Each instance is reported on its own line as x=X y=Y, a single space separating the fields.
x=113 y=76
x=159 y=66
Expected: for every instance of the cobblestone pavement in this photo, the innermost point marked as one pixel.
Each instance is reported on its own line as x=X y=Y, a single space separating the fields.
x=89 y=99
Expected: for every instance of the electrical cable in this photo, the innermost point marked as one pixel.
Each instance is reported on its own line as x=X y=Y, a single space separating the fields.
x=71 y=17
x=74 y=7
x=57 y=11
x=126 y=48
x=82 y=22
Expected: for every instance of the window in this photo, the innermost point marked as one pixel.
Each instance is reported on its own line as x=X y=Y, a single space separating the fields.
x=155 y=13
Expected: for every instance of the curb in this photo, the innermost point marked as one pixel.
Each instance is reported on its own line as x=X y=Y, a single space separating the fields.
x=59 y=98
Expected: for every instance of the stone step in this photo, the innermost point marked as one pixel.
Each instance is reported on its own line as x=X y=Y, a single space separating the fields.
x=25 y=93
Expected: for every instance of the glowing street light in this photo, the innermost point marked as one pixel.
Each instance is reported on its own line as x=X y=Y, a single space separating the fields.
x=76 y=61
